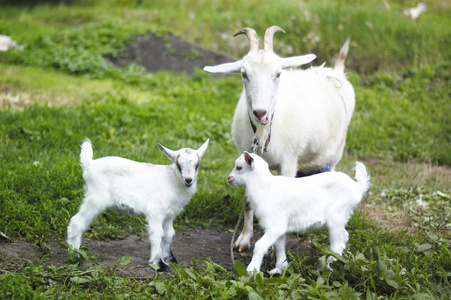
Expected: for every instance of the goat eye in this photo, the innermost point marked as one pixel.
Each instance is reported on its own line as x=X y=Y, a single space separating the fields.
x=197 y=167
x=180 y=168
x=239 y=168
x=244 y=75
x=278 y=75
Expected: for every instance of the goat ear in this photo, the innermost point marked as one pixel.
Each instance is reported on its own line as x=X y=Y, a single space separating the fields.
x=234 y=67
x=248 y=158
x=168 y=152
x=203 y=148
x=297 y=61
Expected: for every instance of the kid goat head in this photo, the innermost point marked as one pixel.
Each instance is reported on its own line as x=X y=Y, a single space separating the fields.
x=244 y=165
x=260 y=71
x=158 y=192
x=187 y=162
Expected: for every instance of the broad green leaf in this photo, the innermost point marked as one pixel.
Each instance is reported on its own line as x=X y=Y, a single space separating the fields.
x=123 y=261
x=391 y=282
x=422 y=296
x=81 y=280
x=161 y=287
x=296 y=295
x=327 y=252
x=382 y=266
x=191 y=274
x=424 y=247
x=320 y=282
x=155 y=267
x=240 y=269
x=254 y=296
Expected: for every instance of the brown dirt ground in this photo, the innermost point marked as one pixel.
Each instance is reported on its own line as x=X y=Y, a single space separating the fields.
x=189 y=244
x=168 y=53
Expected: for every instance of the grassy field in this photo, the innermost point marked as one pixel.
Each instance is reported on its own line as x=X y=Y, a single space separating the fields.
x=59 y=89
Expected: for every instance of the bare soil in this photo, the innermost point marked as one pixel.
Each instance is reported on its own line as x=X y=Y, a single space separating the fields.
x=168 y=53
x=189 y=244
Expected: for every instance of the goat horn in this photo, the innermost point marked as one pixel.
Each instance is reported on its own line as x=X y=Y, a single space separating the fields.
x=252 y=36
x=269 y=35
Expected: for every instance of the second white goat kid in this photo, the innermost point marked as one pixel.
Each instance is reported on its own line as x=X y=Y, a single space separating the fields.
x=284 y=204
x=159 y=192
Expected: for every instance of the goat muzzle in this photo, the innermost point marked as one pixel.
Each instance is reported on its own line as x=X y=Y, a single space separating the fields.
x=188 y=182
x=260 y=115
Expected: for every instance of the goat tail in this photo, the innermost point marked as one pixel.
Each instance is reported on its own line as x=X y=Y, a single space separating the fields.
x=363 y=179
x=340 y=63
x=86 y=154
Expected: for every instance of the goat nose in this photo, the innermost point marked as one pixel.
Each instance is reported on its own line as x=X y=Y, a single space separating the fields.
x=259 y=113
x=188 y=180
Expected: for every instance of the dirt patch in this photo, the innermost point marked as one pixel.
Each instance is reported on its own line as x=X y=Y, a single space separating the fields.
x=168 y=53
x=189 y=244
x=387 y=222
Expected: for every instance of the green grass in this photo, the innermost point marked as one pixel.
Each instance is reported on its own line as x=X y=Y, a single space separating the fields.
x=37 y=152
x=401 y=129
x=382 y=37
x=403 y=115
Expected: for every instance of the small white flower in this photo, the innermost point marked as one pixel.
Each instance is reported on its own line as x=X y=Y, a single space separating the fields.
x=420 y=201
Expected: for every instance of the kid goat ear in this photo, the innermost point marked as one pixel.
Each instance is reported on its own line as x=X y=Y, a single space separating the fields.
x=248 y=158
x=168 y=152
x=203 y=148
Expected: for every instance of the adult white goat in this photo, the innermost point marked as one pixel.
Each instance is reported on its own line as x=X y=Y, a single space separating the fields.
x=283 y=204
x=297 y=120
x=159 y=192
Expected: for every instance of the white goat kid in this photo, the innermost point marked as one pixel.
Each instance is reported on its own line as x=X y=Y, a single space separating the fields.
x=283 y=204
x=159 y=192
x=296 y=120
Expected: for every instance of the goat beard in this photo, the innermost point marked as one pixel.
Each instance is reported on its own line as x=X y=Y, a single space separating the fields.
x=261 y=138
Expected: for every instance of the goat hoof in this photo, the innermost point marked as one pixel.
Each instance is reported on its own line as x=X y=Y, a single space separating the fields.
x=163 y=267
x=275 y=271
x=242 y=248
x=171 y=259
x=77 y=258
